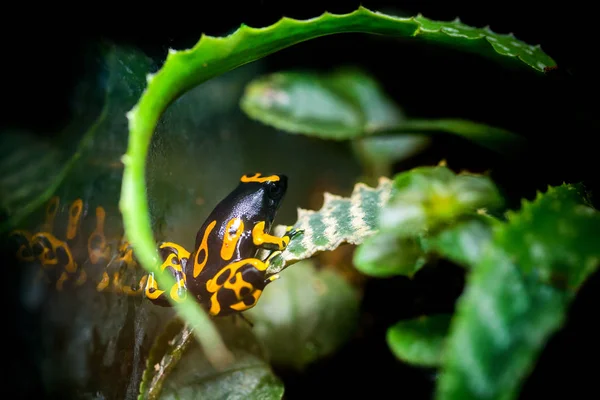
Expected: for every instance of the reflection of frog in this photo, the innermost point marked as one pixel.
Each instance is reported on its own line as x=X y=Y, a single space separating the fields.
x=222 y=273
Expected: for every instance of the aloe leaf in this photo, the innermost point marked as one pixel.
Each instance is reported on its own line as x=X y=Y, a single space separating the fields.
x=420 y=341
x=305 y=315
x=212 y=56
x=349 y=104
x=518 y=294
x=340 y=220
x=190 y=374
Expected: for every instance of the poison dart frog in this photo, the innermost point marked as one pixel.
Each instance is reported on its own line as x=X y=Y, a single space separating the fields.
x=223 y=272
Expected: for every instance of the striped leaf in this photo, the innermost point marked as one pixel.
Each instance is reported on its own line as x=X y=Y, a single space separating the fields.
x=340 y=220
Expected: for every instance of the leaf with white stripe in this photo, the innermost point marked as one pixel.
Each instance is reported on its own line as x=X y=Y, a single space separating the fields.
x=340 y=220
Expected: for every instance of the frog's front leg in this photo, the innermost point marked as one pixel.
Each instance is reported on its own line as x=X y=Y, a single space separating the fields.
x=269 y=242
x=175 y=258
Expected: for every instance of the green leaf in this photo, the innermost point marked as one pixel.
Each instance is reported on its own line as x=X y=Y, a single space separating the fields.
x=377 y=154
x=428 y=198
x=463 y=243
x=212 y=56
x=340 y=220
x=305 y=315
x=37 y=167
x=343 y=104
x=33 y=166
x=518 y=294
x=249 y=376
x=349 y=104
x=384 y=254
x=420 y=341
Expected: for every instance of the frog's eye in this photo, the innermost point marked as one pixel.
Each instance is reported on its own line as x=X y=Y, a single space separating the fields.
x=275 y=190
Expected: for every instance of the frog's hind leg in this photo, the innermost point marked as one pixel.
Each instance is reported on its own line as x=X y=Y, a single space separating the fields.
x=175 y=258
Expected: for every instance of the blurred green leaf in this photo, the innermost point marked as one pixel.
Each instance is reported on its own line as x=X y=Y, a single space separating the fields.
x=349 y=104
x=518 y=294
x=344 y=104
x=305 y=315
x=463 y=243
x=378 y=154
x=420 y=341
x=428 y=198
x=385 y=254
x=38 y=166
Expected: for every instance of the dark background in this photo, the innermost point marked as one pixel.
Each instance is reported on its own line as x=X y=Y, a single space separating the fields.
x=43 y=57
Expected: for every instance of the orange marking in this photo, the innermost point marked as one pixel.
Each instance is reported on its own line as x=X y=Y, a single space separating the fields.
x=152 y=291
x=103 y=284
x=102 y=252
x=241 y=306
x=257 y=178
x=212 y=285
x=51 y=210
x=230 y=240
x=74 y=216
x=198 y=266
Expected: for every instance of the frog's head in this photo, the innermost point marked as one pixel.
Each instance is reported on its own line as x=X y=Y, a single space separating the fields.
x=259 y=197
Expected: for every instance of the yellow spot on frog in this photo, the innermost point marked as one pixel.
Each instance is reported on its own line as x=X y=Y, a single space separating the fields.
x=51 y=210
x=241 y=306
x=101 y=251
x=199 y=265
x=152 y=291
x=257 y=178
x=230 y=240
x=74 y=216
x=103 y=284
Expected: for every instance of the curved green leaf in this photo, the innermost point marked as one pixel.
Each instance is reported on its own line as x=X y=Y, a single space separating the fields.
x=385 y=254
x=518 y=294
x=420 y=341
x=249 y=376
x=340 y=220
x=305 y=315
x=349 y=104
x=212 y=56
